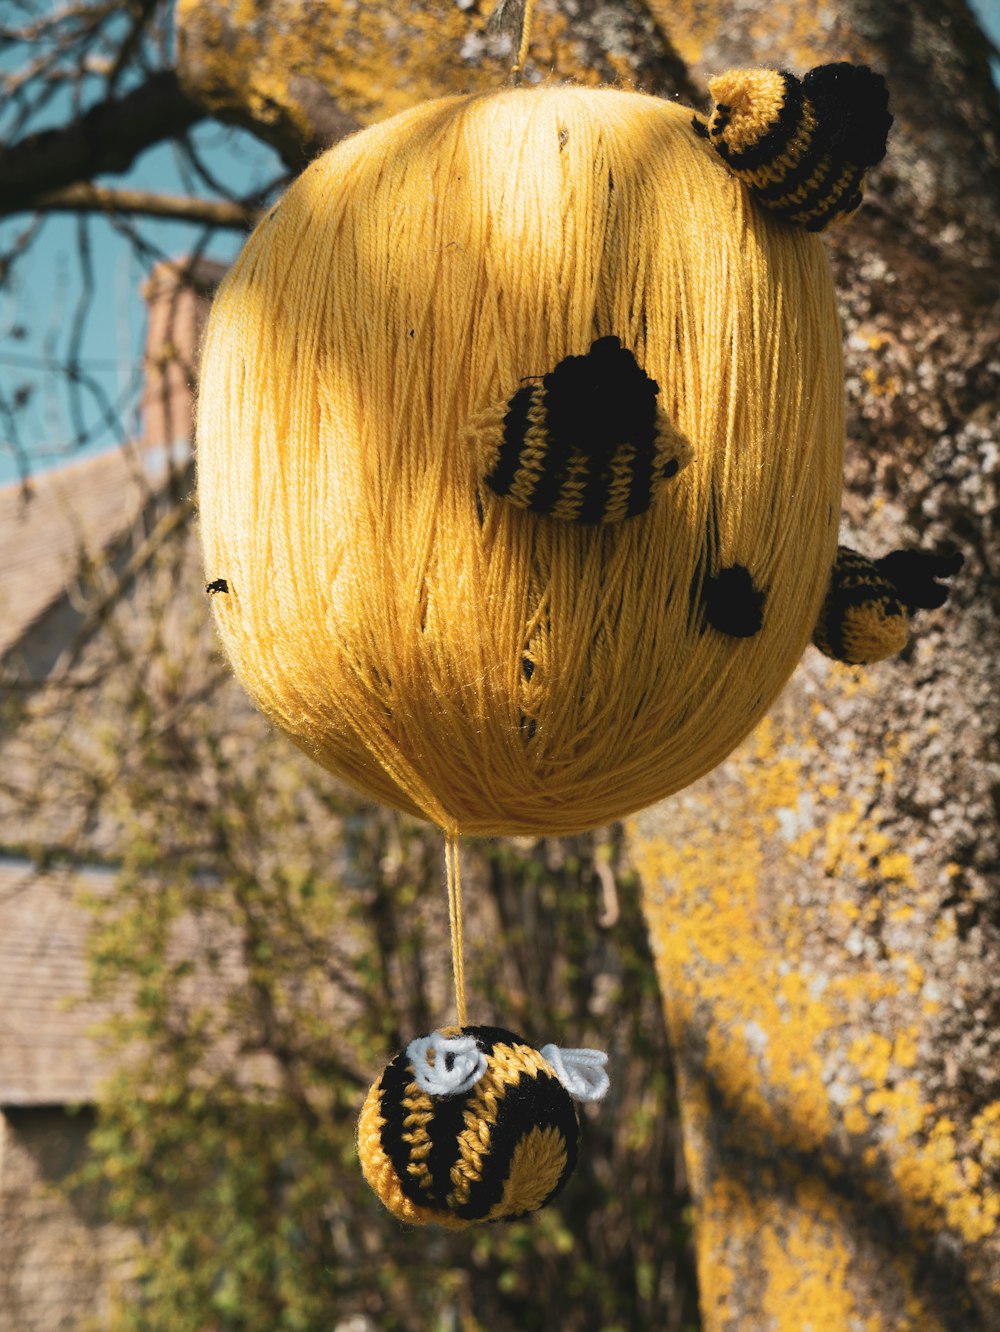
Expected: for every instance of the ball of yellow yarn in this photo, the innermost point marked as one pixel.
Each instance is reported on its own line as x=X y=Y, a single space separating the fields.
x=495 y=669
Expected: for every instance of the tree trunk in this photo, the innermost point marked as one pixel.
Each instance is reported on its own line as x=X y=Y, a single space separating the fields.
x=825 y=905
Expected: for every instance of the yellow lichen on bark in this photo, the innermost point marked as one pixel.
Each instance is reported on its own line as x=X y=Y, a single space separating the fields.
x=374 y=59
x=710 y=38
x=801 y=994
x=272 y=59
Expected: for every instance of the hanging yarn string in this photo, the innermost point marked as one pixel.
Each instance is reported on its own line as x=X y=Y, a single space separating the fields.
x=514 y=17
x=454 y=876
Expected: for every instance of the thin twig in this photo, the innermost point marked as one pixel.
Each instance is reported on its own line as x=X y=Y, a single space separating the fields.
x=85 y=198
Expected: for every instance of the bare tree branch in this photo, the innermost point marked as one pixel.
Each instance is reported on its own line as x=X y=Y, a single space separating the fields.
x=107 y=138
x=142 y=12
x=84 y=198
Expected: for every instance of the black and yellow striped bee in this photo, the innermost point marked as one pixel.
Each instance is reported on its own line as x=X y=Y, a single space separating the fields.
x=866 y=615
x=588 y=443
x=501 y=1149
x=802 y=147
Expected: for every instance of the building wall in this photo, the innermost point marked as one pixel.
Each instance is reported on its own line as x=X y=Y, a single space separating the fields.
x=64 y=538
x=59 y=1258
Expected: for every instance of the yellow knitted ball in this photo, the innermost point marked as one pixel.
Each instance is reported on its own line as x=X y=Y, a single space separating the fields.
x=500 y=1149
x=473 y=281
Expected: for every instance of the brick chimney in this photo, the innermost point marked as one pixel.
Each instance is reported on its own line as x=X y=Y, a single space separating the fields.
x=178 y=296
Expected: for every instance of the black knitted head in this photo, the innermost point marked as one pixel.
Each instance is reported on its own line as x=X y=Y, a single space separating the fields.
x=599 y=400
x=852 y=110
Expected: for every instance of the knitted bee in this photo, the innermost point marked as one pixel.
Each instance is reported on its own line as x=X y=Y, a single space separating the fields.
x=588 y=444
x=473 y=1124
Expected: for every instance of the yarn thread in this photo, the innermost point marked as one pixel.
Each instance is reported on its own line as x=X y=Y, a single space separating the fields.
x=453 y=872
x=522 y=50
x=445 y=652
x=509 y=16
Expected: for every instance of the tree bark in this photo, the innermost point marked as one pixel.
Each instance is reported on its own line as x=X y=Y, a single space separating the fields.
x=302 y=75
x=824 y=905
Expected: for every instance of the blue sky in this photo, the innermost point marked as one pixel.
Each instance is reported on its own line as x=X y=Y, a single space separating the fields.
x=44 y=305
x=38 y=306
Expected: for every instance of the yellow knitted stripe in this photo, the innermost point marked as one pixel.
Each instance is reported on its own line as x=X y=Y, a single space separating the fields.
x=572 y=490
x=484 y=435
x=840 y=185
x=754 y=98
x=670 y=445
x=534 y=453
x=772 y=172
x=381 y=1175
x=620 y=484
x=871 y=635
x=820 y=172
x=507 y=1064
x=418 y=1113
x=536 y=1168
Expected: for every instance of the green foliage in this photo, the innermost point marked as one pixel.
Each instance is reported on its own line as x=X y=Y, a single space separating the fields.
x=270 y=943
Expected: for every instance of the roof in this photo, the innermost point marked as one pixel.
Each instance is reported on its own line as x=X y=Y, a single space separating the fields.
x=49 y=523
x=46 y=1054
x=50 y=1053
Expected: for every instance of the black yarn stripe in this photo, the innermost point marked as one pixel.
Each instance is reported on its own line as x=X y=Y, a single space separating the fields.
x=395 y=1080
x=640 y=494
x=595 y=494
x=449 y=1117
x=839 y=204
x=777 y=138
x=797 y=208
x=797 y=175
x=515 y=427
x=868 y=594
x=538 y=1101
x=444 y=1130
x=548 y=487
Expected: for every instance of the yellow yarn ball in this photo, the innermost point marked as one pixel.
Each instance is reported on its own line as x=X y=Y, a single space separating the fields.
x=446 y=651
